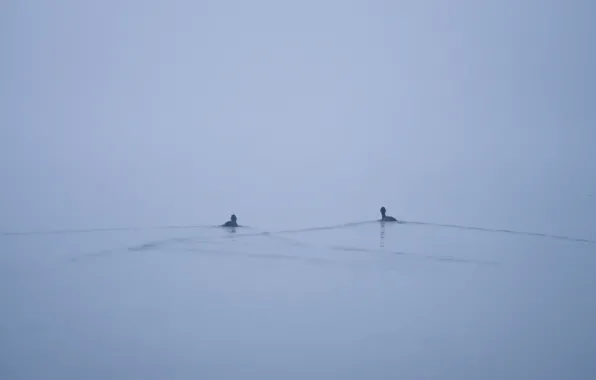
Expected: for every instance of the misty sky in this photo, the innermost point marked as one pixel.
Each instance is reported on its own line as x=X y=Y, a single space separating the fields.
x=140 y=113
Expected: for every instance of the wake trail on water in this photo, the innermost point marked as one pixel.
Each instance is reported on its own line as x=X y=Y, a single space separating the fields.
x=74 y=231
x=293 y=231
x=500 y=230
x=444 y=225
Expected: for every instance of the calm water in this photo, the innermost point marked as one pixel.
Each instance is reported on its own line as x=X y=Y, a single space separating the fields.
x=357 y=301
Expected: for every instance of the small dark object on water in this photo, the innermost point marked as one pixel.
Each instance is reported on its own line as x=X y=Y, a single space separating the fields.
x=231 y=222
x=386 y=218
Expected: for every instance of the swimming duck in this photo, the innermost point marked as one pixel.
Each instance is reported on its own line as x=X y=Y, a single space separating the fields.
x=386 y=218
x=231 y=222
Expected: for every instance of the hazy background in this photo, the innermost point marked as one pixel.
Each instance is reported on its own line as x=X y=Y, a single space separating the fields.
x=297 y=114
x=140 y=113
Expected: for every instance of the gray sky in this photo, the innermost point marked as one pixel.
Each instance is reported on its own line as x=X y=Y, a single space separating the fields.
x=128 y=112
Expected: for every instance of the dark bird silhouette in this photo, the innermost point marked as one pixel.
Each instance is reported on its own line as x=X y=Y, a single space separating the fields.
x=231 y=222
x=386 y=218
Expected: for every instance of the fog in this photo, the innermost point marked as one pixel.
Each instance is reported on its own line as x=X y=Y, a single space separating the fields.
x=294 y=115
x=130 y=113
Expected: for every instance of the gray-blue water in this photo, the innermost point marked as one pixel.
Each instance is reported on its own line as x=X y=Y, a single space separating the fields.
x=355 y=301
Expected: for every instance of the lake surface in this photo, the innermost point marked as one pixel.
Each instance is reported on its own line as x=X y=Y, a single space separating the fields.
x=362 y=300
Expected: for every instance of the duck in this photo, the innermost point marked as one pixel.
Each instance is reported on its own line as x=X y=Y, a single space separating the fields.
x=386 y=218
x=231 y=223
